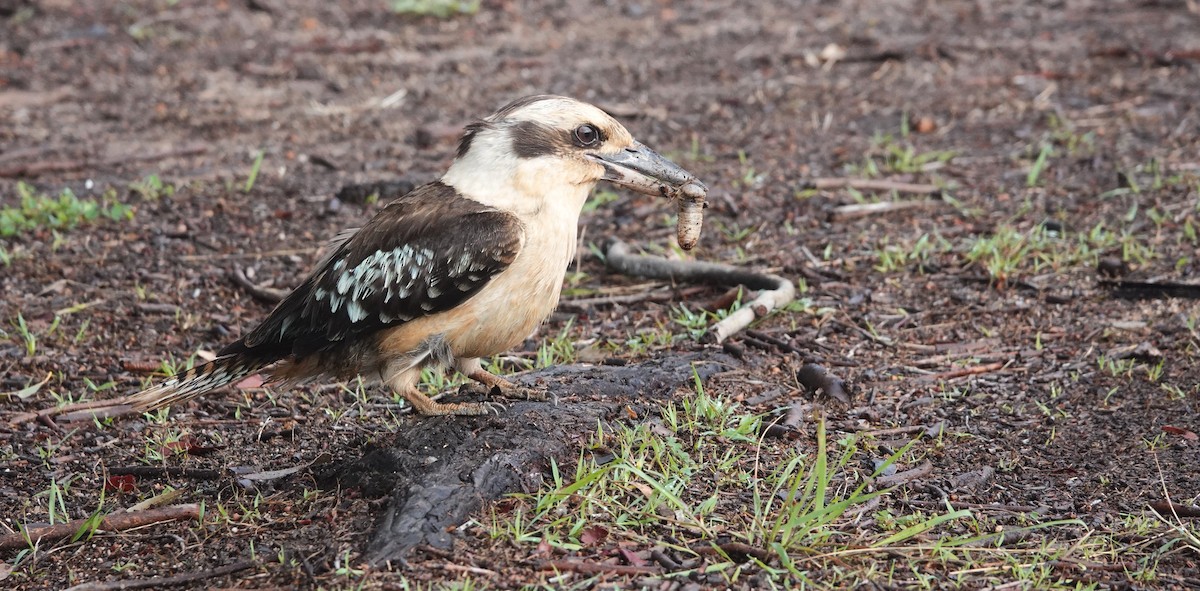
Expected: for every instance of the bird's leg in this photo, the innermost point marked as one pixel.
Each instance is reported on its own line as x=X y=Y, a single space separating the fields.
x=404 y=382
x=495 y=384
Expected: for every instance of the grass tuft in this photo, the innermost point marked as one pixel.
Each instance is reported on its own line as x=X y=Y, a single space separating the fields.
x=436 y=8
x=254 y=170
x=1039 y=165
x=700 y=474
x=65 y=211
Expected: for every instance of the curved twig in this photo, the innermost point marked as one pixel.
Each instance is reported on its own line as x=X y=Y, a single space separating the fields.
x=774 y=291
x=262 y=293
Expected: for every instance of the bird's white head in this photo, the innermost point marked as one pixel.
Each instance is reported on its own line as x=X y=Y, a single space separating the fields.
x=545 y=152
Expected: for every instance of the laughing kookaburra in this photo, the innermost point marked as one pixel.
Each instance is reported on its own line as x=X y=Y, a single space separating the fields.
x=459 y=269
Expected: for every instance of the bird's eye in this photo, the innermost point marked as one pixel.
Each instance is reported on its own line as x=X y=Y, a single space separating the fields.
x=586 y=135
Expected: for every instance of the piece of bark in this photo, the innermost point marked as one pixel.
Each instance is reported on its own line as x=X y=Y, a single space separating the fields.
x=440 y=470
x=818 y=380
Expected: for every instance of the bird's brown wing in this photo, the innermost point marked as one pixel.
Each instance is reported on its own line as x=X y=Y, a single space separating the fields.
x=424 y=253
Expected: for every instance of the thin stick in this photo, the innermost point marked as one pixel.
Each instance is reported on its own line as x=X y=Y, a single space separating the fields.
x=873 y=185
x=582 y=304
x=966 y=371
x=90 y=411
x=761 y=554
x=70 y=412
x=778 y=342
x=980 y=506
x=592 y=568
x=896 y=431
x=859 y=210
x=774 y=291
x=157 y=582
x=475 y=570
x=166 y=472
x=906 y=476
x=116 y=521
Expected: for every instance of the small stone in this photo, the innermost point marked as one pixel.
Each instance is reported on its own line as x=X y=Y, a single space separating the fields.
x=1112 y=267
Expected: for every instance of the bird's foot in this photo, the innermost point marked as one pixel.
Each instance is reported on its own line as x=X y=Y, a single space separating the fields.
x=496 y=386
x=519 y=393
x=506 y=390
x=424 y=405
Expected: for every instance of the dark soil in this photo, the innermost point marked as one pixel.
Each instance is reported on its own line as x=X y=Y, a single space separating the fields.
x=101 y=95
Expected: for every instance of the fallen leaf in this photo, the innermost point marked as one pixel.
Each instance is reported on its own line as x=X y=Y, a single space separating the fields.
x=125 y=483
x=593 y=535
x=643 y=488
x=1188 y=435
x=55 y=288
x=189 y=444
x=30 y=390
x=658 y=428
x=632 y=557
x=171 y=448
x=936 y=430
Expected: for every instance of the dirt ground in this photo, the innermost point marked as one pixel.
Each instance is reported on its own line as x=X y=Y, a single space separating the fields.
x=1070 y=128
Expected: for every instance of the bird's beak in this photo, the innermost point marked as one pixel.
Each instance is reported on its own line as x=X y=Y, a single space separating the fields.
x=645 y=171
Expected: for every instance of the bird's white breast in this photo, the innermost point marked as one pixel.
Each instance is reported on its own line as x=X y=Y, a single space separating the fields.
x=512 y=305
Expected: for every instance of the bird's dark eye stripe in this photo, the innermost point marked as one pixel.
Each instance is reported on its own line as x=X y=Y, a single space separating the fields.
x=587 y=136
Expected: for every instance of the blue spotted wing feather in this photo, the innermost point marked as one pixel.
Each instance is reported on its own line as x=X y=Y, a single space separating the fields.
x=424 y=253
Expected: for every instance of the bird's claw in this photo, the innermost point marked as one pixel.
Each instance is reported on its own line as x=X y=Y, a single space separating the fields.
x=512 y=392
x=427 y=406
x=520 y=393
x=476 y=409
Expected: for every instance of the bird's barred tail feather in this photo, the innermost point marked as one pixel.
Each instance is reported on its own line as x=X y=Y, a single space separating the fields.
x=194 y=382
